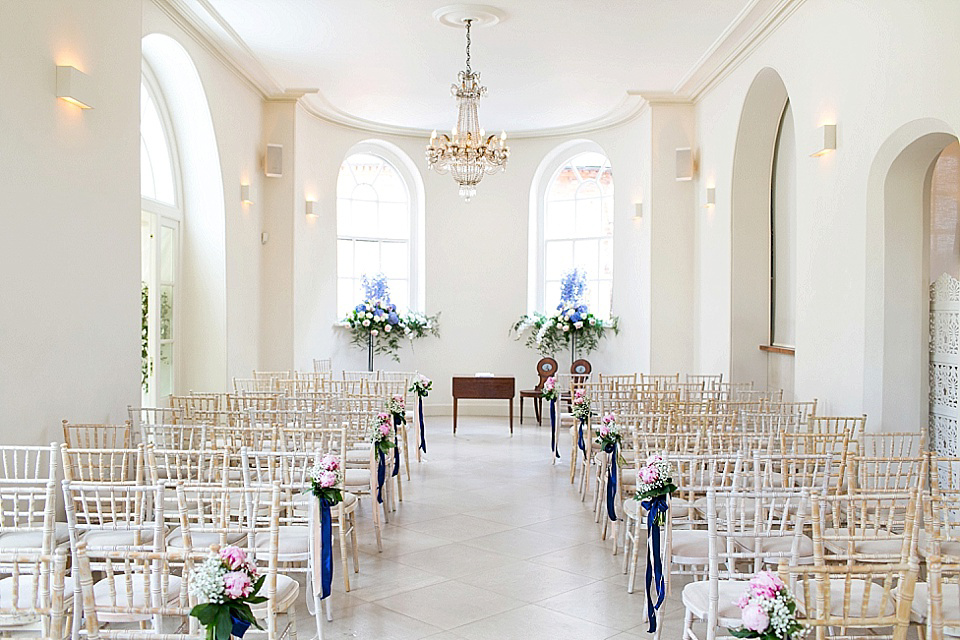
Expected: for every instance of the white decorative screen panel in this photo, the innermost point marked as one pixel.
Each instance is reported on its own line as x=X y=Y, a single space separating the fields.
x=945 y=372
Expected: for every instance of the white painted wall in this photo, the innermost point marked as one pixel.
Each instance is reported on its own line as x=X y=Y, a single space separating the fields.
x=476 y=261
x=70 y=249
x=871 y=67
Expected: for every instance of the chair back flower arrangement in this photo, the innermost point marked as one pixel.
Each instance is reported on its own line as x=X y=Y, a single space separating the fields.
x=227 y=583
x=768 y=610
x=573 y=323
x=326 y=481
x=609 y=437
x=380 y=439
x=551 y=394
x=654 y=488
x=581 y=413
x=422 y=386
x=376 y=324
x=397 y=407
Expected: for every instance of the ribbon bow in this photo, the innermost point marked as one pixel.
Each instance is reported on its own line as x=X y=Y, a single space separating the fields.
x=657 y=508
x=381 y=474
x=326 y=555
x=612 y=478
x=423 y=437
x=396 y=444
x=580 y=442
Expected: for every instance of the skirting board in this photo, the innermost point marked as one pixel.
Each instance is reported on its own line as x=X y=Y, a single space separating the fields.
x=493 y=408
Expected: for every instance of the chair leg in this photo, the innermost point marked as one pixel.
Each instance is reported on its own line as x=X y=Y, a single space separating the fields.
x=687 y=625
x=318 y=616
x=634 y=558
x=292 y=620
x=342 y=518
x=353 y=541
x=406 y=455
x=574 y=459
x=328 y=609
x=521 y=408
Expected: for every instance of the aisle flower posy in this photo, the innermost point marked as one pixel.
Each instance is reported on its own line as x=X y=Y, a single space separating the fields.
x=581 y=406
x=422 y=386
x=768 y=610
x=380 y=433
x=397 y=406
x=608 y=434
x=377 y=319
x=549 y=390
x=573 y=319
x=326 y=479
x=654 y=480
x=227 y=584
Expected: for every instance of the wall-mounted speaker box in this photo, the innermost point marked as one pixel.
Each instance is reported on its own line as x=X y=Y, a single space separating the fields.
x=273 y=161
x=685 y=164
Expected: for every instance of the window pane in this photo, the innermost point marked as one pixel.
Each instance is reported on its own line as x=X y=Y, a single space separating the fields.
x=606 y=258
x=551 y=296
x=559 y=219
x=400 y=293
x=394 y=259
x=604 y=290
x=559 y=259
x=164 y=369
x=347 y=297
x=585 y=257
x=390 y=186
x=364 y=211
x=394 y=221
x=156 y=146
x=345 y=258
x=168 y=255
x=166 y=312
x=366 y=258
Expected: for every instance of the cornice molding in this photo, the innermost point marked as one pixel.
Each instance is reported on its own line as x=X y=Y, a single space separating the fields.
x=749 y=29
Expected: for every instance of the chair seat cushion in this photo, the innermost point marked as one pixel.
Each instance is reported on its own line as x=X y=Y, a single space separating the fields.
x=951 y=606
x=26 y=597
x=294 y=541
x=356 y=478
x=696 y=598
x=689 y=546
x=118 y=538
x=888 y=549
x=33 y=539
x=202 y=540
x=137 y=587
x=776 y=545
x=287 y=592
x=876 y=605
x=950 y=547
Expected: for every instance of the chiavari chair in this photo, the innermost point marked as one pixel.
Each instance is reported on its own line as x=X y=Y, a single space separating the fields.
x=269 y=380
x=740 y=543
x=28 y=477
x=212 y=513
x=709 y=381
x=731 y=391
x=323 y=365
x=97 y=436
x=839 y=445
x=937 y=601
x=905 y=444
x=582 y=459
x=760 y=395
x=141 y=417
x=854 y=426
x=662 y=382
x=34 y=594
x=197 y=402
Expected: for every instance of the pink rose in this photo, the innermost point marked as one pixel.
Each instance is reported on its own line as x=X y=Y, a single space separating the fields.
x=235 y=557
x=649 y=474
x=550 y=384
x=755 y=618
x=330 y=462
x=604 y=431
x=384 y=429
x=327 y=479
x=766 y=584
x=609 y=418
x=383 y=417
x=237 y=584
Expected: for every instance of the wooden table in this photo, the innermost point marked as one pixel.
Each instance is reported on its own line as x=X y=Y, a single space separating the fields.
x=483 y=388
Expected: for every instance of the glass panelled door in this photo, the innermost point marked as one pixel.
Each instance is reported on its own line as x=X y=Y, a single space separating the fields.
x=159 y=239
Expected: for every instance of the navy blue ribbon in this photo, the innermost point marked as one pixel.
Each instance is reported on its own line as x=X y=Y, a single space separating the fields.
x=423 y=437
x=580 y=442
x=656 y=507
x=396 y=445
x=240 y=626
x=381 y=472
x=553 y=427
x=612 y=478
x=326 y=553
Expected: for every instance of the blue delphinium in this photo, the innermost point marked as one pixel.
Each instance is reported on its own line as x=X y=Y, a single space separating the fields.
x=393 y=318
x=376 y=287
x=573 y=285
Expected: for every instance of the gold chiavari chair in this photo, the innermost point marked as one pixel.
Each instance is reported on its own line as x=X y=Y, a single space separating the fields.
x=323 y=365
x=97 y=436
x=854 y=426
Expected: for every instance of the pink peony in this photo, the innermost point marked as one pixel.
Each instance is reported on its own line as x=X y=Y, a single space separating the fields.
x=654 y=459
x=766 y=584
x=742 y=601
x=383 y=417
x=237 y=584
x=604 y=431
x=235 y=557
x=755 y=618
x=610 y=417
x=649 y=474
x=330 y=462
x=384 y=429
x=327 y=479
x=550 y=383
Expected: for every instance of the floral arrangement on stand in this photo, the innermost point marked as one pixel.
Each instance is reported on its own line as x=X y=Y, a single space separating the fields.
x=608 y=436
x=551 y=394
x=380 y=440
x=768 y=610
x=326 y=481
x=227 y=583
x=654 y=488
x=422 y=386
x=581 y=413
x=573 y=324
x=377 y=326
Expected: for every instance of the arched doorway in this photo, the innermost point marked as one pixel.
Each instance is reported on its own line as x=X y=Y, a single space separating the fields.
x=763 y=236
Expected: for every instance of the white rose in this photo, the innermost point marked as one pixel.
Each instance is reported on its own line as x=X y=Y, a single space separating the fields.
x=366 y=323
x=374 y=332
x=593 y=321
x=387 y=328
x=566 y=327
x=379 y=318
x=369 y=315
x=578 y=325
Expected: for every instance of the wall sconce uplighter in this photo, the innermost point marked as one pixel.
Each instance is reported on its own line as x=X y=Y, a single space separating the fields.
x=711 y=198
x=685 y=166
x=74 y=87
x=312 y=209
x=826 y=140
x=246 y=194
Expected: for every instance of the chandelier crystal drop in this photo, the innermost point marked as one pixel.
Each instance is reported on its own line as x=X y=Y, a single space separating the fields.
x=467 y=152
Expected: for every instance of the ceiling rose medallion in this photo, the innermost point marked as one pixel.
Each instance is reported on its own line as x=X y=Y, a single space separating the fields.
x=467 y=152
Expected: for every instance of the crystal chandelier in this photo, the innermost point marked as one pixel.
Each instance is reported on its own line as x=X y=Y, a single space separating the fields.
x=467 y=152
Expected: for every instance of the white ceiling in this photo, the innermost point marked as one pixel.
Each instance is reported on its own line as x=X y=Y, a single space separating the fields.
x=548 y=64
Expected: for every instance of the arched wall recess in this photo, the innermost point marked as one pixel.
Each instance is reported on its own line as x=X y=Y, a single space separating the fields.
x=896 y=297
x=203 y=364
x=750 y=226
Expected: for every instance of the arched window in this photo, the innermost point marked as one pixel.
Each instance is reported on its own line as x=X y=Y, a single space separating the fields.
x=378 y=210
x=161 y=213
x=577 y=230
x=783 y=229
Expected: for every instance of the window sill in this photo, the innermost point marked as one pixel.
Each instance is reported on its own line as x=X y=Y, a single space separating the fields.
x=771 y=348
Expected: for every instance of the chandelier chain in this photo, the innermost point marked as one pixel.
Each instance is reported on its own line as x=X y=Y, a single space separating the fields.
x=468 y=21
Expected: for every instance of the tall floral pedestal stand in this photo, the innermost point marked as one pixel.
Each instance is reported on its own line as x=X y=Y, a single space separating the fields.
x=370 y=352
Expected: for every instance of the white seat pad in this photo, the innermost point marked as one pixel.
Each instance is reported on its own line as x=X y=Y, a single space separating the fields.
x=33 y=539
x=689 y=546
x=101 y=591
x=356 y=477
x=696 y=598
x=25 y=598
x=294 y=540
x=118 y=538
x=202 y=540
x=875 y=604
x=287 y=592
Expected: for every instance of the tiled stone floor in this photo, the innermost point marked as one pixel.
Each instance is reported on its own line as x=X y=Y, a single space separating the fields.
x=490 y=542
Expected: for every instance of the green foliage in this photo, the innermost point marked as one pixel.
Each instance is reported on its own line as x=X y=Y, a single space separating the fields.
x=550 y=335
x=146 y=363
